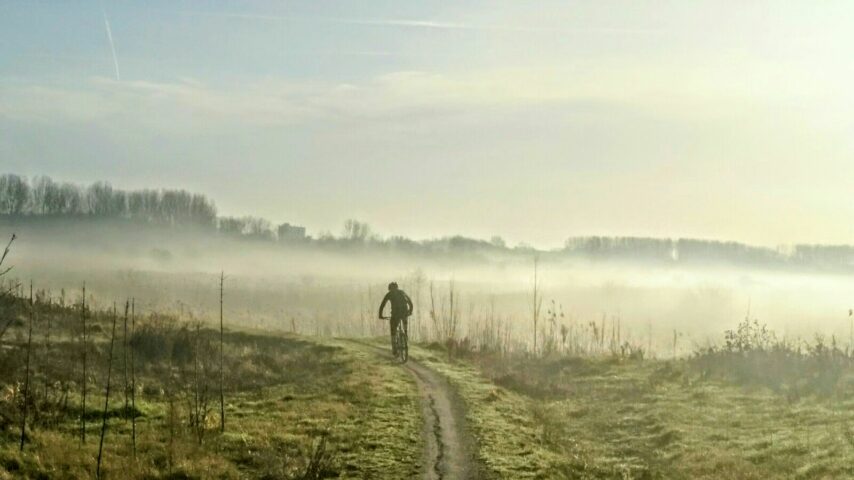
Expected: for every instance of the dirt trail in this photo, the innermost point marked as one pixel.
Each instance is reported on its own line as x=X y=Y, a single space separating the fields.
x=448 y=449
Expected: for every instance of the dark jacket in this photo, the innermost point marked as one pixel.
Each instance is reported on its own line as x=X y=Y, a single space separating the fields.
x=401 y=305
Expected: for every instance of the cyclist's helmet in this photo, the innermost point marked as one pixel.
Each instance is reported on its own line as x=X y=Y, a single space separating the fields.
x=392 y=286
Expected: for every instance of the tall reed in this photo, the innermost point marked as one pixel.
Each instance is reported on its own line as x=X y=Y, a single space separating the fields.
x=106 y=396
x=27 y=371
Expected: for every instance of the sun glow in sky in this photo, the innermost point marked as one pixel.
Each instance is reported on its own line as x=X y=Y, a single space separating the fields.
x=533 y=121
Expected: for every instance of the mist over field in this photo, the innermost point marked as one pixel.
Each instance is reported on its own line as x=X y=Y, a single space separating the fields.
x=333 y=289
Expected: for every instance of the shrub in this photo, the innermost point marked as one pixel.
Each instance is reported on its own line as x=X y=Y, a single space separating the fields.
x=752 y=355
x=161 y=338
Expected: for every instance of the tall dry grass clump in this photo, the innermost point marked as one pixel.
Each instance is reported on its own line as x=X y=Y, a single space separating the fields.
x=445 y=313
x=753 y=355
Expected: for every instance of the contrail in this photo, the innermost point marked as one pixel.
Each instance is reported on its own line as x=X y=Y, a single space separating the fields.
x=112 y=45
x=429 y=25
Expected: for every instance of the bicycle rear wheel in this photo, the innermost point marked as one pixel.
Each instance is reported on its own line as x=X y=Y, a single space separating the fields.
x=402 y=346
x=394 y=343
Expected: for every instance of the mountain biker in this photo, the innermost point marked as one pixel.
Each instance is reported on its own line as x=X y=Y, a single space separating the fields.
x=401 y=307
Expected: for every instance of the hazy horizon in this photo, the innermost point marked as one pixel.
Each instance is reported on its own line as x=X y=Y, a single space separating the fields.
x=372 y=234
x=270 y=284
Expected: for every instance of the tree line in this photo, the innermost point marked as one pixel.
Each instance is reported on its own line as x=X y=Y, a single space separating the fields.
x=687 y=250
x=44 y=196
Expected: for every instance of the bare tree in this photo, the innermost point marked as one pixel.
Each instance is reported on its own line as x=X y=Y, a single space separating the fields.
x=258 y=228
x=356 y=231
x=418 y=279
x=106 y=396
x=27 y=371
x=14 y=194
x=4 y=271
x=72 y=199
x=199 y=385
x=221 y=343
x=537 y=300
x=11 y=287
x=125 y=353
x=84 y=348
x=133 y=378
x=99 y=198
x=232 y=225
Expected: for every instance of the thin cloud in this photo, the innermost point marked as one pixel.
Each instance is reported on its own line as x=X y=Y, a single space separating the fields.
x=426 y=24
x=265 y=103
x=341 y=53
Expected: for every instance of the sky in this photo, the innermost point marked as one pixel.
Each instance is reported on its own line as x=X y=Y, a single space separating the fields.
x=535 y=121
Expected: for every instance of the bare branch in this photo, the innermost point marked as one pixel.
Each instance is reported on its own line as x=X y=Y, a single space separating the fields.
x=6 y=326
x=6 y=252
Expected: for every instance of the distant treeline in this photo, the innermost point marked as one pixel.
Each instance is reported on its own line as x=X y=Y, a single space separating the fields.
x=687 y=250
x=42 y=197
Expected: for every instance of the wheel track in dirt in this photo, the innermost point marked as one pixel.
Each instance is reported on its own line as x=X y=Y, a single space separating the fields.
x=448 y=448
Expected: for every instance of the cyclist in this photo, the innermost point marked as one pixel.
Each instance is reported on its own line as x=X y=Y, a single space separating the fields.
x=401 y=307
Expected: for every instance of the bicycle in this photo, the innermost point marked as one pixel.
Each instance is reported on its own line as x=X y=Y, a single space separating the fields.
x=400 y=340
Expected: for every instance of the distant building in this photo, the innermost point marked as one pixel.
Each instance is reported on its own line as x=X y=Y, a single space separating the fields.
x=291 y=233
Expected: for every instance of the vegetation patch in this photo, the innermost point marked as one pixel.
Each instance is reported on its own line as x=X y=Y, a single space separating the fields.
x=509 y=440
x=295 y=408
x=722 y=413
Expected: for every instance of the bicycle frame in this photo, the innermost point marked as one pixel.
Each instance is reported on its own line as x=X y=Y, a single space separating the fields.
x=400 y=340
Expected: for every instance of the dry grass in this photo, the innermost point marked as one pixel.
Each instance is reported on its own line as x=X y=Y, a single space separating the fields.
x=614 y=417
x=296 y=408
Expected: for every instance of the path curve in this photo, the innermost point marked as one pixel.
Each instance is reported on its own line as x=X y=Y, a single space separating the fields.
x=448 y=449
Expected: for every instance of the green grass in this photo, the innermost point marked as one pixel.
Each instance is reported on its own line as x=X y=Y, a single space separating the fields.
x=561 y=418
x=503 y=423
x=367 y=411
x=603 y=418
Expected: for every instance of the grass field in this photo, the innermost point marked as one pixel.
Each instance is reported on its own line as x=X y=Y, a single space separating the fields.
x=607 y=418
x=308 y=408
x=295 y=408
x=365 y=412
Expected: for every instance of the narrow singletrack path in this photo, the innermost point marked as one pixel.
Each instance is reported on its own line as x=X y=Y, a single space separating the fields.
x=448 y=449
